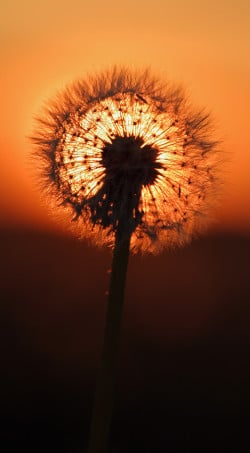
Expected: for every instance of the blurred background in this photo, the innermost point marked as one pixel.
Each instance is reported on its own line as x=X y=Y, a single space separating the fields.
x=183 y=379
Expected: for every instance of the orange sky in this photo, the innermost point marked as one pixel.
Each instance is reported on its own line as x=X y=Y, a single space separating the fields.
x=203 y=45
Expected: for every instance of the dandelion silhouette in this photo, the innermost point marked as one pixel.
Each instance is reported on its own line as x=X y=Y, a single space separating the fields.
x=138 y=169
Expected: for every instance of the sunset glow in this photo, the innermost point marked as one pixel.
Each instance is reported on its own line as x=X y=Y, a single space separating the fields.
x=203 y=46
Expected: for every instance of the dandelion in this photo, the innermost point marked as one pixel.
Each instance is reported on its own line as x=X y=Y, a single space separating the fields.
x=123 y=151
x=138 y=170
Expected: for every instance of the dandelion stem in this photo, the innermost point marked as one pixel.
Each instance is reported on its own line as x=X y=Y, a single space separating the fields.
x=103 y=404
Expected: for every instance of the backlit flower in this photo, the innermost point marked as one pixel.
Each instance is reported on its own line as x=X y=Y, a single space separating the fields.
x=124 y=151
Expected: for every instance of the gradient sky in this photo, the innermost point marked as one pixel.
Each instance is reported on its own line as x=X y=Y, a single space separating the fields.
x=184 y=373
x=203 y=45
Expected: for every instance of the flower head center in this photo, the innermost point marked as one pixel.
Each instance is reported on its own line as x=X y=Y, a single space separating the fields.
x=129 y=165
x=127 y=159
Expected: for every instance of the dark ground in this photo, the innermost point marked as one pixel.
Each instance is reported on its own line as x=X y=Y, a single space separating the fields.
x=184 y=370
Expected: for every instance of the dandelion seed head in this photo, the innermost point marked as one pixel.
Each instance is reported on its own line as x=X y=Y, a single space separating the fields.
x=124 y=152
